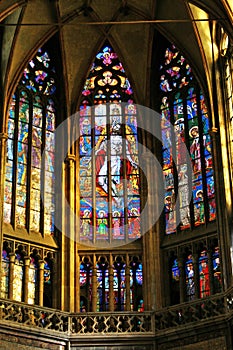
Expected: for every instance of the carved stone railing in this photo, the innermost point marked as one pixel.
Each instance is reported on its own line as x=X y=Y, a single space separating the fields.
x=117 y=323
x=191 y=312
x=33 y=316
x=80 y=324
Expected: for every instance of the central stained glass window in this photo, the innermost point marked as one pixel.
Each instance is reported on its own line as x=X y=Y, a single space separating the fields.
x=108 y=151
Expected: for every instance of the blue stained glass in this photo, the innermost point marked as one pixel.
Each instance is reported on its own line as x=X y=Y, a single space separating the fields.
x=107 y=83
x=175 y=270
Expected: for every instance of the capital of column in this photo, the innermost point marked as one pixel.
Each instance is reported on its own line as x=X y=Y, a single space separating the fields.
x=3 y=136
x=12 y=257
x=70 y=158
x=213 y=131
x=41 y=264
x=26 y=260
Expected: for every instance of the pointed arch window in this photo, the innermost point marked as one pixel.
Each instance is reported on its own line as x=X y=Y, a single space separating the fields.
x=31 y=126
x=108 y=151
x=183 y=105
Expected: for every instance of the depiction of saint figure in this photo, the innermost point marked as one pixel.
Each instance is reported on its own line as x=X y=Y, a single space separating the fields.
x=116 y=159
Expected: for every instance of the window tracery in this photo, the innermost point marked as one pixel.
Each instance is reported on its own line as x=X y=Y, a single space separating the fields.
x=183 y=105
x=31 y=126
x=108 y=150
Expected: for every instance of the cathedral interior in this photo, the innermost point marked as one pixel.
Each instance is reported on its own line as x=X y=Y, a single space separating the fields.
x=116 y=151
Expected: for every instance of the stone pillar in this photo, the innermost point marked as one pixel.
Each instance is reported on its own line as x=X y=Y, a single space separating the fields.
x=127 y=283
x=68 y=266
x=41 y=282
x=77 y=284
x=94 y=285
x=3 y=139
x=152 y=259
x=11 y=275
x=26 y=278
x=111 y=292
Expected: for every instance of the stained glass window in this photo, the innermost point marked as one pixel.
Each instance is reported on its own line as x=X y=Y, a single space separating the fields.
x=31 y=126
x=18 y=277
x=175 y=282
x=217 y=271
x=47 y=282
x=204 y=275
x=119 y=284
x=102 y=285
x=85 y=281
x=5 y=274
x=136 y=278
x=189 y=271
x=185 y=123
x=32 y=281
x=108 y=150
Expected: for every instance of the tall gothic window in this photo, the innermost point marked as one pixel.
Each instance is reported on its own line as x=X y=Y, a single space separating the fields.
x=31 y=126
x=183 y=105
x=109 y=172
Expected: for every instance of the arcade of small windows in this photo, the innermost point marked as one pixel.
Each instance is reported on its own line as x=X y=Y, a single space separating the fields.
x=31 y=125
x=194 y=273
x=183 y=105
x=111 y=283
x=27 y=272
x=109 y=205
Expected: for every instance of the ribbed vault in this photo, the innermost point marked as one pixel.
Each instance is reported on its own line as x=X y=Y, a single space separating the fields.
x=83 y=25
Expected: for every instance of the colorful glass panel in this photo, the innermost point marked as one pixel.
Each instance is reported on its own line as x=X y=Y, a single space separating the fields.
x=119 y=286
x=102 y=287
x=32 y=280
x=183 y=105
x=204 y=275
x=18 y=279
x=111 y=131
x=31 y=123
x=217 y=271
x=189 y=271
x=5 y=274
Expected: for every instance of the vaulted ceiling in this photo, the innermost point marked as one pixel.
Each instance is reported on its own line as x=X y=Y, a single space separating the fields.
x=83 y=25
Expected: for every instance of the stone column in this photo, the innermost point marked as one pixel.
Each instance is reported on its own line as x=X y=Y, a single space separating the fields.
x=11 y=275
x=152 y=259
x=26 y=278
x=111 y=292
x=3 y=139
x=68 y=239
x=94 y=285
x=127 y=283
x=77 y=284
x=41 y=282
